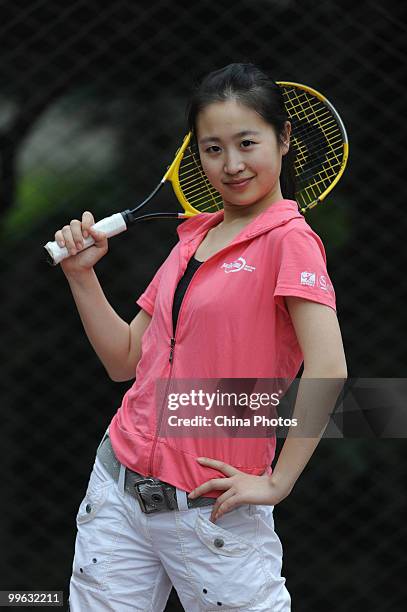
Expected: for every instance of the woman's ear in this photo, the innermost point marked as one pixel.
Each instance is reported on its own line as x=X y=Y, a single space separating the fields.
x=285 y=138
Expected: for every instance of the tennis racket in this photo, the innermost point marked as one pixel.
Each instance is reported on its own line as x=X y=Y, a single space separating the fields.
x=321 y=152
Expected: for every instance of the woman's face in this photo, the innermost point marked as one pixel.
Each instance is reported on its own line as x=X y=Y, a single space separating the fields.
x=240 y=154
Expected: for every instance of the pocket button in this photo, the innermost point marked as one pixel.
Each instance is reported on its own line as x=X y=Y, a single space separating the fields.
x=218 y=542
x=88 y=508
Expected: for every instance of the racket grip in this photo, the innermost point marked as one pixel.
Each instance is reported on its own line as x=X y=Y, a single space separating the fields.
x=111 y=226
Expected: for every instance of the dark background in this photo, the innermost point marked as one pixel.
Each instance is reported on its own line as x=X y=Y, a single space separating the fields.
x=92 y=99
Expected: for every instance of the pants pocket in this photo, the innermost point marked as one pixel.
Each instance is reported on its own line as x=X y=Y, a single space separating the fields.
x=96 y=530
x=98 y=485
x=224 y=563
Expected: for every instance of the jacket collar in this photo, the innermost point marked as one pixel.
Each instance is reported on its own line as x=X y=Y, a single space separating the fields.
x=277 y=214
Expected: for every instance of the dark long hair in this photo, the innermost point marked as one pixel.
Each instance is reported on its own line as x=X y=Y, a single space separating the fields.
x=247 y=84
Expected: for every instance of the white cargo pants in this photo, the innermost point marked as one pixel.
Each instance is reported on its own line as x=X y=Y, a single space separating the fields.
x=126 y=560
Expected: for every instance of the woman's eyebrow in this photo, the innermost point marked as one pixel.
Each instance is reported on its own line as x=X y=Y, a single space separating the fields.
x=238 y=135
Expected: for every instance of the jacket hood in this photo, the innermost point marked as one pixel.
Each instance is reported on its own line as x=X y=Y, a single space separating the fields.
x=277 y=214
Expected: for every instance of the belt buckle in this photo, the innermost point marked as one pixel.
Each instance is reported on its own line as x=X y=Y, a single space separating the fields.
x=138 y=494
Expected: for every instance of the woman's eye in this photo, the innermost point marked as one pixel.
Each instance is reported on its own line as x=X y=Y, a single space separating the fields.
x=213 y=149
x=246 y=143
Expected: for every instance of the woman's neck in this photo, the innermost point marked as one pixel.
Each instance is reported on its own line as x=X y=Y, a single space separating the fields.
x=235 y=215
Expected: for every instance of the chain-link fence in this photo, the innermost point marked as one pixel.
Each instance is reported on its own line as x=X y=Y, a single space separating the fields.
x=92 y=99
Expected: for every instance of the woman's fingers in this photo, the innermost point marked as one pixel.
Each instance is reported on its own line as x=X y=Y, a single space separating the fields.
x=72 y=236
x=87 y=221
x=68 y=239
x=217 y=512
x=99 y=237
x=210 y=485
x=59 y=238
x=76 y=230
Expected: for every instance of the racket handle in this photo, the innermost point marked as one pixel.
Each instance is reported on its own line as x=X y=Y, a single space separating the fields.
x=111 y=226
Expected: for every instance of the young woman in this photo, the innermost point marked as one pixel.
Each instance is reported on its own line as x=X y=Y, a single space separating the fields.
x=244 y=294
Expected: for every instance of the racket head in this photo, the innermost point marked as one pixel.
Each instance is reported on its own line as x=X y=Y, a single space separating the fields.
x=318 y=137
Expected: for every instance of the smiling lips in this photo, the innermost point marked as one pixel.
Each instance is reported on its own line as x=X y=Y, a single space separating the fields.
x=238 y=185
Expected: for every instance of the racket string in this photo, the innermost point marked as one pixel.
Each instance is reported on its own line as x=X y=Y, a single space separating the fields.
x=325 y=146
x=195 y=185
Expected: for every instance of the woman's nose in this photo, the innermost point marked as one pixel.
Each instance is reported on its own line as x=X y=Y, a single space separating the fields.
x=233 y=164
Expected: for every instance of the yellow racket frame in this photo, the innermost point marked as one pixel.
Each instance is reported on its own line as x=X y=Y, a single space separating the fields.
x=172 y=173
x=172 y=176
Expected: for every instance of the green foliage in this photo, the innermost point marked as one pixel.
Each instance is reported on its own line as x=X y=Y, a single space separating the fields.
x=43 y=194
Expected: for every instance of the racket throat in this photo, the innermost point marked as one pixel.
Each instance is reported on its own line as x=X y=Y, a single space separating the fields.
x=129 y=215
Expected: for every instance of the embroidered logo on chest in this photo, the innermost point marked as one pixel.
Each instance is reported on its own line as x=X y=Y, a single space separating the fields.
x=237 y=266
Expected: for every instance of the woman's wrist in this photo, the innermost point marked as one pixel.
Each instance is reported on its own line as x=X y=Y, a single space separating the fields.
x=80 y=277
x=280 y=484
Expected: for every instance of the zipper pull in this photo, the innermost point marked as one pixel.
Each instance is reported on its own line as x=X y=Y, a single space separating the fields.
x=172 y=349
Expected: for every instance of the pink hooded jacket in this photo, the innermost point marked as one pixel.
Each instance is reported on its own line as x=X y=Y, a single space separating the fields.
x=233 y=323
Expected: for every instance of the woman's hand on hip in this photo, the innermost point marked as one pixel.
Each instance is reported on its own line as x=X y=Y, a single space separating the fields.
x=239 y=488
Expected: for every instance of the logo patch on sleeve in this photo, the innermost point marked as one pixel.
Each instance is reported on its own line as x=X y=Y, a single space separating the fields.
x=308 y=278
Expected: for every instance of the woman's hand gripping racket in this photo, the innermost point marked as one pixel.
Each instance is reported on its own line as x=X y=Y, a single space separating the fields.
x=320 y=143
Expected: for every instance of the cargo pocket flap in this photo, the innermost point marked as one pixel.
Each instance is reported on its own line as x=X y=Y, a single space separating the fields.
x=220 y=541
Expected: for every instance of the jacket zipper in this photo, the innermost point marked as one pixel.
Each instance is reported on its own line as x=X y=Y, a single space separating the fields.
x=171 y=361
x=173 y=342
x=171 y=357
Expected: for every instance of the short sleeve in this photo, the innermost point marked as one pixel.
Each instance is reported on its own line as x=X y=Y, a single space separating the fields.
x=301 y=269
x=146 y=300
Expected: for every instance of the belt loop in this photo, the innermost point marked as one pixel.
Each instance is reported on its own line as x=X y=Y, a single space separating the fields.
x=181 y=499
x=122 y=478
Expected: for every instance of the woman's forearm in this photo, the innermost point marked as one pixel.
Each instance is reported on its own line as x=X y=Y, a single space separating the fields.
x=316 y=398
x=107 y=332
